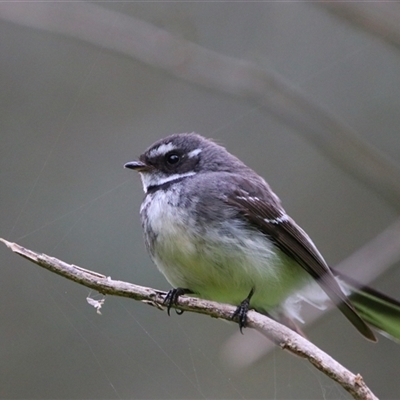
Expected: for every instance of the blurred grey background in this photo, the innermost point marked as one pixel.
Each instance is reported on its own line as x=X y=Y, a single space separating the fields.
x=74 y=110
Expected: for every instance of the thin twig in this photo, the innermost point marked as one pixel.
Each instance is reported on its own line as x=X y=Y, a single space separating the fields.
x=379 y=18
x=279 y=334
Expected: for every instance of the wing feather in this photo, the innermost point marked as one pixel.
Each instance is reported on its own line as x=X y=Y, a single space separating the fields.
x=266 y=215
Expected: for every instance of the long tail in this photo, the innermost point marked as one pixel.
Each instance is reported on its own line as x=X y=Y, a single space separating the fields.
x=378 y=310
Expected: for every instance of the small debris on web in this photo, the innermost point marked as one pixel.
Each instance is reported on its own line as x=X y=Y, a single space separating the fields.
x=97 y=304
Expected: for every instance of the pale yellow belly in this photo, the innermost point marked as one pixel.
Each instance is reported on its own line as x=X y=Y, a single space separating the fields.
x=226 y=270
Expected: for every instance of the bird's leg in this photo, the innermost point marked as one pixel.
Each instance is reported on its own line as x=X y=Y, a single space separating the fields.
x=241 y=311
x=172 y=297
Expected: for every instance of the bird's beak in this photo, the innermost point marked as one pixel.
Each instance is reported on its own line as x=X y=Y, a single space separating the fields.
x=137 y=166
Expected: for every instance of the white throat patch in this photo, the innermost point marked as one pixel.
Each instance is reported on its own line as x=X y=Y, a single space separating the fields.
x=158 y=179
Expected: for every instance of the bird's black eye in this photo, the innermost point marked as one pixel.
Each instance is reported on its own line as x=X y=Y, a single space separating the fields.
x=172 y=158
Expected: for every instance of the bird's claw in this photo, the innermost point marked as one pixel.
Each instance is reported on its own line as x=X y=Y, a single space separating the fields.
x=171 y=298
x=241 y=314
x=241 y=311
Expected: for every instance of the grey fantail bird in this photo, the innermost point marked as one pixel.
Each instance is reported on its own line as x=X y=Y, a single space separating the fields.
x=216 y=230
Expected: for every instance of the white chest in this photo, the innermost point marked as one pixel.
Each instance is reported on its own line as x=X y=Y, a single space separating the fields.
x=166 y=224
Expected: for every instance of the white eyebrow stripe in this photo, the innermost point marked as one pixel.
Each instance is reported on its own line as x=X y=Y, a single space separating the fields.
x=194 y=153
x=162 y=149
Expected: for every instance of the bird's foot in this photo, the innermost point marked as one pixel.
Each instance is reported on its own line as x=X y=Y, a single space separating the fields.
x=241 y=311
x=171 y=298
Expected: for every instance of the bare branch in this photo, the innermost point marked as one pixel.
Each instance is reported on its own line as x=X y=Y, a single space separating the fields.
x=279 y=334
x=378 y=18
x=188 y=61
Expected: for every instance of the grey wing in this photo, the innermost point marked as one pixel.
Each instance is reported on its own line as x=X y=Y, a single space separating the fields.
x=263 y=211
